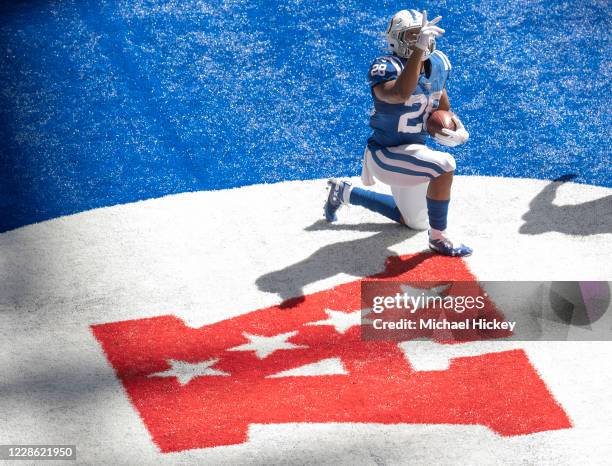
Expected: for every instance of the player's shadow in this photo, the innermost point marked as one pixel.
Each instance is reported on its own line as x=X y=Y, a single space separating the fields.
x=357 y=257
x=588 y=218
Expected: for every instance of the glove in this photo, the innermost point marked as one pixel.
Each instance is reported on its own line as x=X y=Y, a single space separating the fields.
x=452 y=138
x=428 y=32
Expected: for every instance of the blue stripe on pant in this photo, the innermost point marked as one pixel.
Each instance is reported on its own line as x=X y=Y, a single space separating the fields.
x=413 y=160
x=402 y=170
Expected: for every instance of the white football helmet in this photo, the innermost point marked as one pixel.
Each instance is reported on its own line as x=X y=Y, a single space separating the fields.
x=402 y=33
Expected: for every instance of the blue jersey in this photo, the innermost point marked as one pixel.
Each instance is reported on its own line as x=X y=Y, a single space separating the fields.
x=397 y=124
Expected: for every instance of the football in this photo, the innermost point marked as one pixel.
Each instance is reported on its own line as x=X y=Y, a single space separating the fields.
x=439 y=120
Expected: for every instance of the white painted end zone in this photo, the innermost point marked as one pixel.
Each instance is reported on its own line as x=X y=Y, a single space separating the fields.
x=209 y=256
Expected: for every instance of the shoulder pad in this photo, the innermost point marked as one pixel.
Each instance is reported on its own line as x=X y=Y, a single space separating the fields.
x=383 y=69
x=439 y=59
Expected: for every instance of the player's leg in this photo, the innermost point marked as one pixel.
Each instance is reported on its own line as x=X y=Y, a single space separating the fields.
x=438 y=200
x=440 y=167
x=341 y=192
x=411 y=202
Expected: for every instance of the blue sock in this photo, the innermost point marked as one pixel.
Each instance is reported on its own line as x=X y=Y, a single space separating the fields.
x=376 y=202
x=438 y=212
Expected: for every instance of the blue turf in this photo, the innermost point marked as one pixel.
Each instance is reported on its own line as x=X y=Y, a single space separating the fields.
x=105 y=102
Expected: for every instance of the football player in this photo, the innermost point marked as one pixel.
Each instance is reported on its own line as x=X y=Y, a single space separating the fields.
x=407 y=85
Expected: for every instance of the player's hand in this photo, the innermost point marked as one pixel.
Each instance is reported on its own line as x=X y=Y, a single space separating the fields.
x=452 y=138
x=428 y=32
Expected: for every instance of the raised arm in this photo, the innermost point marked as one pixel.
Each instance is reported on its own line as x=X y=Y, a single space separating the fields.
x=399 y=90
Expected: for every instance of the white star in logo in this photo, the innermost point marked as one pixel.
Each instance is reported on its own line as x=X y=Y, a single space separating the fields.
x=265 y=346
x=341 y=321
x=185 y=371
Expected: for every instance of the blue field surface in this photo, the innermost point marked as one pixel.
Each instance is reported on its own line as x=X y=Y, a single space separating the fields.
x=107 y=102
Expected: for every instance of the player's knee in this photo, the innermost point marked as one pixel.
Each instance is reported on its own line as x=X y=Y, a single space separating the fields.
x=447 y=163
x=418 y=223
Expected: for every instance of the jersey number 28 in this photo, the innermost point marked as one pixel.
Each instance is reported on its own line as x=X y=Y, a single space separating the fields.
x=425 y=106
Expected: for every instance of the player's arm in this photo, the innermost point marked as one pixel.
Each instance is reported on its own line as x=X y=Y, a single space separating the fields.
x=444 y=102
x=399 y=90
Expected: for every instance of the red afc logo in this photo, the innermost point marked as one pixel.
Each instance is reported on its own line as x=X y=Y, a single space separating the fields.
x=198 y=388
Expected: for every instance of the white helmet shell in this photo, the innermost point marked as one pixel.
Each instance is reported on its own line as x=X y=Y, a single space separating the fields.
x=401 y=33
